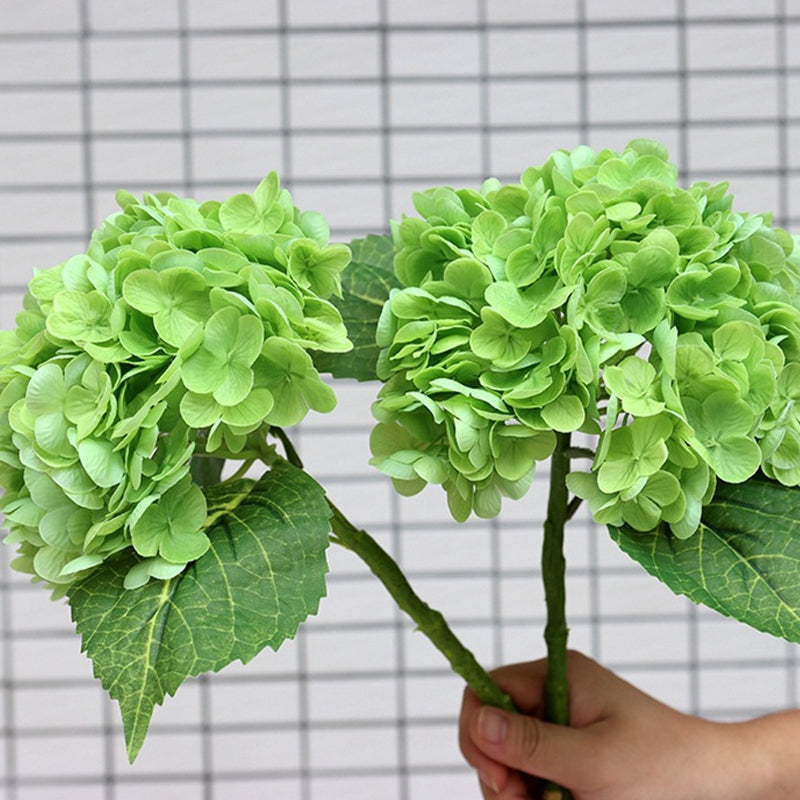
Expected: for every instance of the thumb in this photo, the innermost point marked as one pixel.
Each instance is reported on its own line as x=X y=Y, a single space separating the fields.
x=553 y=752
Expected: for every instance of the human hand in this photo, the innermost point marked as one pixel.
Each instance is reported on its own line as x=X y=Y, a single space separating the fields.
x=621 y=743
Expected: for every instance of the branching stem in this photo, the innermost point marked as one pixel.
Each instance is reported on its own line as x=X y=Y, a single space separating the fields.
x=573 y=506
x=428 y=620
x=579 y=452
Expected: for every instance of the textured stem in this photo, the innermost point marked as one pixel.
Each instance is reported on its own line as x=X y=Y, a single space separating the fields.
x=428 y=620
x=292 y=455
x=553 y=573
x=206 y=470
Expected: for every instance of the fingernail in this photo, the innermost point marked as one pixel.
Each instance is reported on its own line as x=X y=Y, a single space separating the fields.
x=487 y=780
x=492 y=725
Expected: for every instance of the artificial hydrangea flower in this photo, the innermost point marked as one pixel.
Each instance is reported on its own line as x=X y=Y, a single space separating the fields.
x=595 y=295
x=182 y=331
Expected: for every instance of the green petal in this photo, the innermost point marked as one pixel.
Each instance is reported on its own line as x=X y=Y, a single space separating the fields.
x=102 y=463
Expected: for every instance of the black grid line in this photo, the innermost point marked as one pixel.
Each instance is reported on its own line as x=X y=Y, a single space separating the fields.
x=485 y=128
x=782 y=218
x=402 y=721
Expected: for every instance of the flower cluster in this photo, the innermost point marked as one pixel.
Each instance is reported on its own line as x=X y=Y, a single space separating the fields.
x=597 y=296
x=182 y=331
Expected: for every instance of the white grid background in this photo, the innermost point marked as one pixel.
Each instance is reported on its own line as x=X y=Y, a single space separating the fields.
x=357 y=103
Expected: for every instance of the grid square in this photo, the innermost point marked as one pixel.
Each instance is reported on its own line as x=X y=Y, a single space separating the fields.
x=534 y=52
x=39 y=16
x=334 y=56
x=164 y=789
x=91 y=790
x=363 y=699
x=533 y=102
x=52 y=63
x=443 y=156
x=522 y=641
x=632 y=48
x=422 y=12
x=143 y=15
x=68 y=709
x=274 y=751
x=335 y=106
x=35 y=112
x=185 y=753
x=357 y=209
x=725 y=639
x=227 y=57
x=337 y=155
x=717 y=149
x=330 y=651
x=43 y=163
x=433 y=54
x=511 y=153
x=505 y=11
x=363 y=600
x=57 y=756
x=625 y=10
x=213 y=15
x=234 y=158
x=700 y=9
x=133 y=59
x=64 y=661
x=253 y=702
x=637 y=595
x=238 y=788
x=644 y=643
x=670 y=686
x=153 y=161
x=750 y=691
x=633 y=100
x=353 y=459
x=431 y=549
x=458 y=598
x=124 y=110
x=434 y=745
x=734 y=47
x=432 y=102
x=348 y=748
x=235 y=108
x=319 y=13
x=432 y=697
x=366 y=787
x=720 y=97
x=454 y=782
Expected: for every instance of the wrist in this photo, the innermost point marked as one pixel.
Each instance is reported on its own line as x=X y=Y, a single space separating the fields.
x=755 y=758
x=770 y=751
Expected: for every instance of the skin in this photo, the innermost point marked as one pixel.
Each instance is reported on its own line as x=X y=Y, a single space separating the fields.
x=622 y=744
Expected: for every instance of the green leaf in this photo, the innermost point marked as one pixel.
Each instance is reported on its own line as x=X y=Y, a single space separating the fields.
x=263 y=575
x=366 y=283
x=743 y=561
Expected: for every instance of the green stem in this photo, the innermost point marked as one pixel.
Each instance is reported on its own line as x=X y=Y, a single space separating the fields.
x=428 y=620
x=288 y=446
x=553 y=573
x=206 y=470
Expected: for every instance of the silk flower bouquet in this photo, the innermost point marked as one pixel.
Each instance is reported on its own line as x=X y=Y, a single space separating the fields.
x=594 y=313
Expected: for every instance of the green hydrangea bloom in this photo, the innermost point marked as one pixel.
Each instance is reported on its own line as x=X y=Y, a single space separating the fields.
x=182 y=332
x=595 y=295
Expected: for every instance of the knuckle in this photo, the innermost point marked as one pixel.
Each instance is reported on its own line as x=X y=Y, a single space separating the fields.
x=529 y=740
